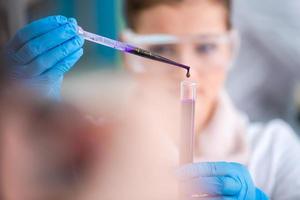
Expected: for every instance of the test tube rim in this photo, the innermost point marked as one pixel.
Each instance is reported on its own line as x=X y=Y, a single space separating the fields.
x=188 y=84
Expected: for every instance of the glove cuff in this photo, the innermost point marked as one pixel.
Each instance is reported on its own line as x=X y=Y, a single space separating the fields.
x=260 y=195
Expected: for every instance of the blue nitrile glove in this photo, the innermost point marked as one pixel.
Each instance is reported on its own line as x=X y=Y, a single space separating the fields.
x=221 y=180
x=43 y=51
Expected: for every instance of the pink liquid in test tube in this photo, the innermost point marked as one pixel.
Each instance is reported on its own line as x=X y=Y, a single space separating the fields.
x=188 y=98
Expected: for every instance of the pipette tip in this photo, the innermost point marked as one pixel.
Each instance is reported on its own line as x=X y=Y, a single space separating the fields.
x=188 y=74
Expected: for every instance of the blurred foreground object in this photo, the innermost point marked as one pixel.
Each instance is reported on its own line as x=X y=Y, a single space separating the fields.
x=51 y=150
x=46 y=147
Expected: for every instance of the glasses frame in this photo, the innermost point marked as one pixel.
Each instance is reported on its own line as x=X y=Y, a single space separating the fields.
x=232 y=37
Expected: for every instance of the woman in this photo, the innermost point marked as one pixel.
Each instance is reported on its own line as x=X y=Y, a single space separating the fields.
x=197 y=33
x=200 y=35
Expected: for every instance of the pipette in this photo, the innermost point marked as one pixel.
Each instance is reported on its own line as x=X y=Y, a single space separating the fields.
x=127 y=48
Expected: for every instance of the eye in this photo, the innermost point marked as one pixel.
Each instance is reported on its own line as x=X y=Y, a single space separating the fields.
x=206 y=48
x=162 y=49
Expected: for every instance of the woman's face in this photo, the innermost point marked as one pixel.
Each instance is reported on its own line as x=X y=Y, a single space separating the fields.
x=198 y=23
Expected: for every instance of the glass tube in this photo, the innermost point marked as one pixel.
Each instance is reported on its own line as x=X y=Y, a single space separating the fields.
x=188 y=98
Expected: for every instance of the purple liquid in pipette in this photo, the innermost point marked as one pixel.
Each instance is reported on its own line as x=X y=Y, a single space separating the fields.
x=152 y=56
x=121 y=46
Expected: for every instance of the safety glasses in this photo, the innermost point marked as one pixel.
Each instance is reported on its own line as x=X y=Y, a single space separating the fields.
x=207 y=51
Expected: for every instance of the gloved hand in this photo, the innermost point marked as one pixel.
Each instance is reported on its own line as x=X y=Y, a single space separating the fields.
x=43 y=51
x=214 y=181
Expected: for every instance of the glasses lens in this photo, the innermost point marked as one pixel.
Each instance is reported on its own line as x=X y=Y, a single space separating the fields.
x=208 y=52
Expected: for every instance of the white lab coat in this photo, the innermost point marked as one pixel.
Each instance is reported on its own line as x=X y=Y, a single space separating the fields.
x=271 y=151
x=275 y=159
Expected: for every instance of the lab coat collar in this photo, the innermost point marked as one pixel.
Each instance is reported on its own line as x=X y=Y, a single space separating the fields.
x=224 y=139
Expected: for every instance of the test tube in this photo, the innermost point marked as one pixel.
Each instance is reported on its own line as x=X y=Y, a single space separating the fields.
x=188 y=98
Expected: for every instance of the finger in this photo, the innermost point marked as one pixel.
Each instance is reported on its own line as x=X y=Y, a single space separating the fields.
x=63 y=66
x=36 y=29
x=45 y=42
x=260 y=194
x=52 y=57
x=212 y=186
x=212 y=198
x=206 y=169
x=207 y=197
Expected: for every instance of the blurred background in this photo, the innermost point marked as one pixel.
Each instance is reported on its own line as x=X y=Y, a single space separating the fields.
x=99 y=16
x=264 y=81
